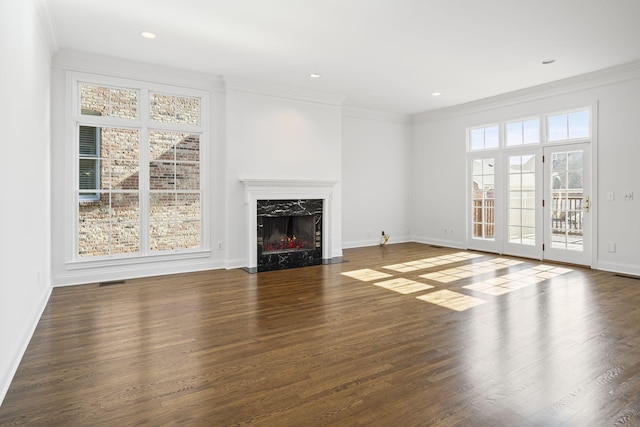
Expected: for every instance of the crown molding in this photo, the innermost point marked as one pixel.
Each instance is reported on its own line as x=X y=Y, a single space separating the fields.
x=46 y=26
x=379 y=116
x=592 y=80
x=92 y=63
x=234 y=84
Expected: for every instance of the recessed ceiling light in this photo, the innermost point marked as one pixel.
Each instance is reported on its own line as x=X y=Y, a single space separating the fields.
x=148 y=35
x=548 y=61
x=314 y=75
x=436 y=94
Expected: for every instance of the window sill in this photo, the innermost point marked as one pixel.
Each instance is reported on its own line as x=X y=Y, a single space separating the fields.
x=114 y=260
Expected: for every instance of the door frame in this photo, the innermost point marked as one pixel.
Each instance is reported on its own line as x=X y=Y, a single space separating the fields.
x=589 y=220
x=498 y=245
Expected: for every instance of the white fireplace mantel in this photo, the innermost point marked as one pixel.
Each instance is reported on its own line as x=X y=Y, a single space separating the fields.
x=283 y=189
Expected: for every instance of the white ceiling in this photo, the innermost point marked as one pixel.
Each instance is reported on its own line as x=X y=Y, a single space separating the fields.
x=387 y=55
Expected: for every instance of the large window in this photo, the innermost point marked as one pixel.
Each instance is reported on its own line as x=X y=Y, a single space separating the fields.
x=138 y=156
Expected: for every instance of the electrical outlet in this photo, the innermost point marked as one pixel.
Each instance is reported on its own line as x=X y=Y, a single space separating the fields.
x=612 y=246
x=368 y=233
x=446 y=231
x=628 y=195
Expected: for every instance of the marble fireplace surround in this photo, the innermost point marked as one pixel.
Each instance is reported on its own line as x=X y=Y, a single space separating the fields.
x=272 y=189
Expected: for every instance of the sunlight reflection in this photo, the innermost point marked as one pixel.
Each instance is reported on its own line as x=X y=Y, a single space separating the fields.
x=451 y=300
x=495 y=286
x=431 y=262
x=465 y=271
x=403 y=286
x=523 y=278
x=366 y=274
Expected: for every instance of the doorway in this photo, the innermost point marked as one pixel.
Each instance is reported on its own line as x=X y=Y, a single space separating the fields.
x=567 y=215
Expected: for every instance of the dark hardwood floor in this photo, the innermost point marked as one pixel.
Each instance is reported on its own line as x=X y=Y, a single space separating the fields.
x=506 y=342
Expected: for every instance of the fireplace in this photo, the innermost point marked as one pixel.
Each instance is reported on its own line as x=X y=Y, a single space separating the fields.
x=279 y=218
x=289 y=233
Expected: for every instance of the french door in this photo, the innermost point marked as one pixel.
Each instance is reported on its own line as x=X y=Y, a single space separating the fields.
x=567 y=204
x=533 y=203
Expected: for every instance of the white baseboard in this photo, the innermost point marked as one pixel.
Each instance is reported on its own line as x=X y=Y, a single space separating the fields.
x=132 y=271
x=632 y=270
x=27 y=333
x=374 y=242
x=439 y=242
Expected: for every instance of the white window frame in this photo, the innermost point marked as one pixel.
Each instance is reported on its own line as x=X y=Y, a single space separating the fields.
x=484 y=127
x=143 y=123
x=501 y=155
x=503 y=141
x=546 y=141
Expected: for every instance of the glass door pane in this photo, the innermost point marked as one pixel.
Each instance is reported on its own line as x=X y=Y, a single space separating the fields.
x=483 y=199
x=567 y=204
x=522 y=200
x=566 y=200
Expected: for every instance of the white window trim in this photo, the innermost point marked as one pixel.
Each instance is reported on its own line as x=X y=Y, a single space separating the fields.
x=501 y=154
x=589 y=138
x=503 y=135
x=485 y=148
x=74 y=118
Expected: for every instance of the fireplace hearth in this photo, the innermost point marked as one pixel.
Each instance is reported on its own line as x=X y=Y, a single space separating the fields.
x=289 y=233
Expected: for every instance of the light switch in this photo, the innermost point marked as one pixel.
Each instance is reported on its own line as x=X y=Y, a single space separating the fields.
x=628 y=195
x=611 y=196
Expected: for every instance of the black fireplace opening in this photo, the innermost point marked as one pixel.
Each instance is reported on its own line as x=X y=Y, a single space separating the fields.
x=289 y=233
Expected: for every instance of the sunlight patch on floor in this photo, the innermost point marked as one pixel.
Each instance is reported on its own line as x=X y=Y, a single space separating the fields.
x=366 y=274
x=521 y=279
x=423 y=264
x=403 y=286
x=465 y=271
x=451 y=300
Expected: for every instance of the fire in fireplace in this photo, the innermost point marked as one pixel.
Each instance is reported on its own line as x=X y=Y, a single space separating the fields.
x=289 y=233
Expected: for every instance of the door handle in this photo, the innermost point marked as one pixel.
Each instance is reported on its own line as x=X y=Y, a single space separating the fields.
x=586 y=204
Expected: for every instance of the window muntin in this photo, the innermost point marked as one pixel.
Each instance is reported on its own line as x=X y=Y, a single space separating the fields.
x=522 y=132
x=484 y=138
x=109 y=214
x=522 y=199
x=117 y=214
x=567 y=126
x=483 y=198
x=567 y=214
x=174 y=179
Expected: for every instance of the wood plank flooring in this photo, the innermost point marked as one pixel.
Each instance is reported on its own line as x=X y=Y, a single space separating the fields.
x=505 y=342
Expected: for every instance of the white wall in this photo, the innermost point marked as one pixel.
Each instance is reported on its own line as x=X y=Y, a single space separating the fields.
x=24 y=173
x=273 y=136
x=437 y=177
x=438 y=159
x=375 y=173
